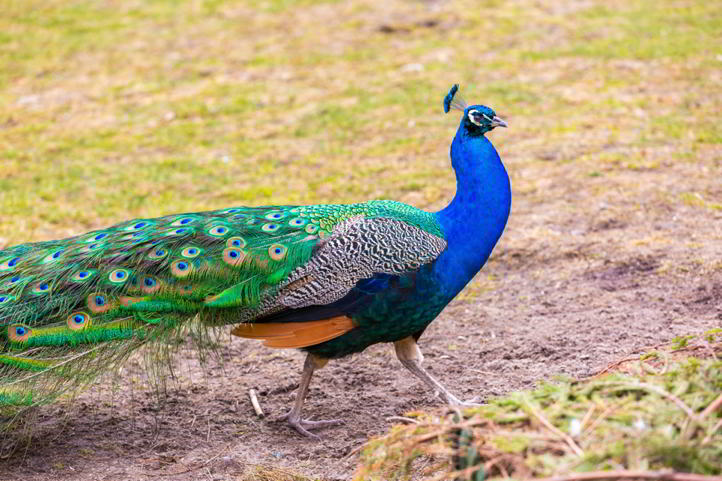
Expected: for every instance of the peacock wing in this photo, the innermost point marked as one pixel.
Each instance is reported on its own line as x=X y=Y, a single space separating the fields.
x=359 y=248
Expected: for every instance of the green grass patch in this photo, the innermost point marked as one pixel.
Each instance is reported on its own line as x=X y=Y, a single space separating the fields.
x=664 y=413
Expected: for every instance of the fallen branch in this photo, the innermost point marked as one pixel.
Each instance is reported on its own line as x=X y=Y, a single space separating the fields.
x=662 y=475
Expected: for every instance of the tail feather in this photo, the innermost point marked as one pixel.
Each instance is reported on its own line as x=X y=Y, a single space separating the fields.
x=74 y=308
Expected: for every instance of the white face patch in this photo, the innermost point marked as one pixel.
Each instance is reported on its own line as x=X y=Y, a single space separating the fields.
x=471 y=117
x=473 y=121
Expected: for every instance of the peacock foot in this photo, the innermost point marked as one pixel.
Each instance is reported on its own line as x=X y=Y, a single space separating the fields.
x=453 y=401
x=471 y=403
x=302 y=426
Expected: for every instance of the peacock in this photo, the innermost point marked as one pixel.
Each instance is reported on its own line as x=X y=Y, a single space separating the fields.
x=328 y=279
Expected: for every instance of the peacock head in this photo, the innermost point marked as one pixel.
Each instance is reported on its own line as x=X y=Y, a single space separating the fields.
x=478 y=119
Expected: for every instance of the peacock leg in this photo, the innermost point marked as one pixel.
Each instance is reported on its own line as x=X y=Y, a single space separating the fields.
x=293 y=417
x=410 y=356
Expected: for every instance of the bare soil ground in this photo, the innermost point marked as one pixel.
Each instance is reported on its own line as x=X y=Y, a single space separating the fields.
x=534 y=324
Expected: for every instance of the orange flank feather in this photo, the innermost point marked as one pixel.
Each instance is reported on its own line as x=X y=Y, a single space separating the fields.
x=295 y=334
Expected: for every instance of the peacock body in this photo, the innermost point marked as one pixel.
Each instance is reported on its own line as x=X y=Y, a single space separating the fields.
x=329 y=279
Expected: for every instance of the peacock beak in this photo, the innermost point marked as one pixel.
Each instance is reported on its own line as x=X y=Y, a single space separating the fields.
x=497 y=122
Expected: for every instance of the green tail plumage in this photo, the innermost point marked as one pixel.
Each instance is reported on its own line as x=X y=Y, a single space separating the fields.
x=73 y=308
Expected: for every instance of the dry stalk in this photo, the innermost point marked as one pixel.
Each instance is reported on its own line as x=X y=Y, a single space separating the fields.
x=622 y=474
x=570 y=442
x=650 y=387
x=715 y=405
x=402 y=419
x=587 y=417
x=603 y=416
x=254 y=402
x=708 y=438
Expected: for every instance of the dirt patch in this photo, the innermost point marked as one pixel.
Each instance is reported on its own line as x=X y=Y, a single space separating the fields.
x=204 y=427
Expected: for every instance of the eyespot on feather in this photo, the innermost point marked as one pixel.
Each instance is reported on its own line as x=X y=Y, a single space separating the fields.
x=178 y=231
x=311 y=228
x=191 y=252
x=9 y=263
x=218 y=231
x=95 y=237
x=270 y=227
x=83 y=276
x=277 y=251
x=181 y=268
x=99 y=303
x=157 y=253
x=78 y=321
x=119 y=276
x=41 y=288
x=233 y=256
x=138 y=224
x=185 y=220
x=52 y=257
x=19 y=332
x=92 y=247
x=149 y=284
x=6 y=299
x=14 y=280
x=275 y=215
x=297 y=222
x=236 y=241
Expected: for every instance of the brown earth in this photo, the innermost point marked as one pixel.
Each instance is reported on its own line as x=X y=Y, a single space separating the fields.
x=534 y=313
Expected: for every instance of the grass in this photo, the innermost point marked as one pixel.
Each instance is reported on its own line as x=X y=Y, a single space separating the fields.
x=659 y=415
x=141 y=109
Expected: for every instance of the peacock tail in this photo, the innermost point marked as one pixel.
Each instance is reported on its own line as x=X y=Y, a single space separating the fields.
x=74 y=308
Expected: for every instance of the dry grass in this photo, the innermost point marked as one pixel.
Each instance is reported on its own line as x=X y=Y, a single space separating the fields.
x=665 y=418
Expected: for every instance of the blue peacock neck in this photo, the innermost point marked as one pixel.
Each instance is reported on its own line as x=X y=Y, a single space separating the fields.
x=476 y=217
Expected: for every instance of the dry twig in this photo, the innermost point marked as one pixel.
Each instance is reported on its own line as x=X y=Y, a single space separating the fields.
x=661 y=475
x=255 y=403
x=570 y=442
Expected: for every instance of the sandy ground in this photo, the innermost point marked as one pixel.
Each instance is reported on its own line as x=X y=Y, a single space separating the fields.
x=536 y=313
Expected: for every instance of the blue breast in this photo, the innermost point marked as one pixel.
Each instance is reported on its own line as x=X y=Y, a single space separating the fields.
x=387 y=308
x=476 y=217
